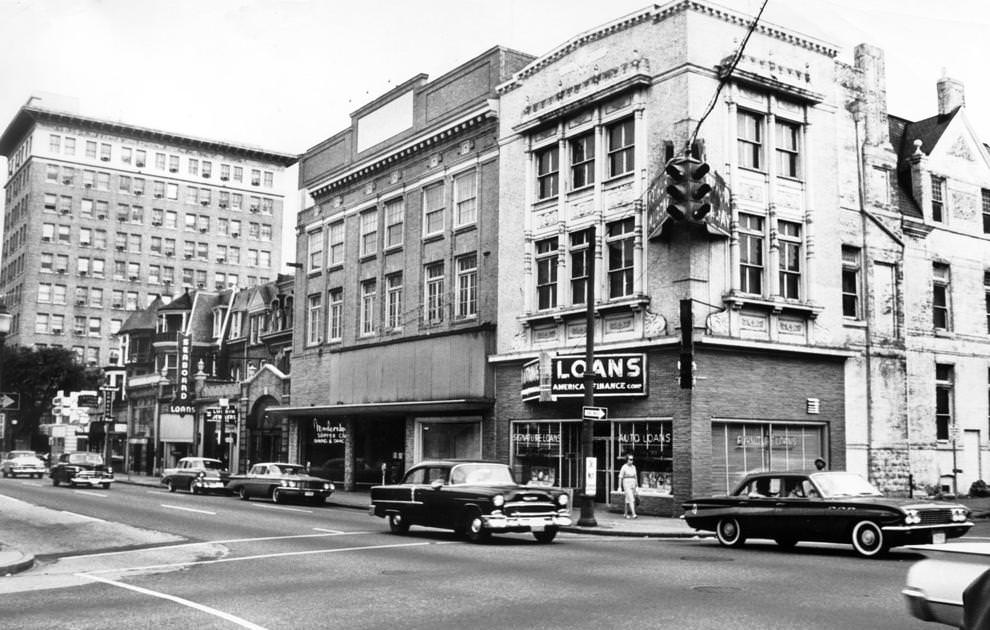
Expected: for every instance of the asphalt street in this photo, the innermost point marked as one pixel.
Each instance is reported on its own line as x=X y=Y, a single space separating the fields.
x=225 y=563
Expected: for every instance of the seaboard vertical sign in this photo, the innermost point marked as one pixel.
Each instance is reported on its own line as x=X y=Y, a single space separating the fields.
x=184 y=389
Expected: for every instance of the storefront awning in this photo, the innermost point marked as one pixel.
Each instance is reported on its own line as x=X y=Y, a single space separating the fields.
x=403 y=407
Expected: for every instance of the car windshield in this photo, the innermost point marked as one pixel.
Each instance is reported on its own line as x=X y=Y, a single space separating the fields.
x=287 y=469
x=844 y=484
x=86 y=458
x=212 y=464
x=482 y=475
x=22 y=455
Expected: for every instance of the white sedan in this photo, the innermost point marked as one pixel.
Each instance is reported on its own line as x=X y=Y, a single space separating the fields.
x=951 y=585
x=22 y=463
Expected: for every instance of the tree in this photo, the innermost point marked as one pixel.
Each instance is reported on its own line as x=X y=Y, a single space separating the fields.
x=37 y=374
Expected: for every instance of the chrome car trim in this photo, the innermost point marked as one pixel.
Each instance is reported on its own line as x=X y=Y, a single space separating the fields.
x=912 y=528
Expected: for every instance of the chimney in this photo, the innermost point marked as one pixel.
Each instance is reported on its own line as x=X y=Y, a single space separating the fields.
x=951 y=95
x=873 y=108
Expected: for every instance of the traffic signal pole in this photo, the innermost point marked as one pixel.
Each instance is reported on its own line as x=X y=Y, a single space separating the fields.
x=587 y=518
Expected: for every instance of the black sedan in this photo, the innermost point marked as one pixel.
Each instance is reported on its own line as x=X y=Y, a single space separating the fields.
x=835 y=507
x=81 y=469
x=474 y=498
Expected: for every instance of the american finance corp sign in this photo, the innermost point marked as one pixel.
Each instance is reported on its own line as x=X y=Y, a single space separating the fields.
x=615 y=375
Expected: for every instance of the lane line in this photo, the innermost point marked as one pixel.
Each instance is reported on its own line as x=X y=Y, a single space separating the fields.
x=91 y=493
x=329 y=531
x=264 y=556
x=185 y=509
x=217 y=542
x=244 y=623
x=83 y=516
x=281 y=507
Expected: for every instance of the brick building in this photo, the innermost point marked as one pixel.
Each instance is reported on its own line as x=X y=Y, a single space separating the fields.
x=585 y=131
x=396 y=285
x=101 y=216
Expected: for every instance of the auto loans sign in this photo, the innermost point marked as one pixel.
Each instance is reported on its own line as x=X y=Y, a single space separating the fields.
x=615 y=375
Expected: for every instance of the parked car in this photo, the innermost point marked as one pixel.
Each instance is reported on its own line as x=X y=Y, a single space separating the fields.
x=828 y=506
x=196 y=474
x=280 y=482
x=472 y=497
x=22 y=463
x=951 y=585
x=81 y=468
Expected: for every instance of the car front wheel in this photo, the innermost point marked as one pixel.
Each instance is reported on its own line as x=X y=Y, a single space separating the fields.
x=55 y=480
x=170 y=485
x=546 y=536
x=242 y=493
x=729 y=533
x=868 y=539
x=276 y=495
x=397 y=524
x=475 y=529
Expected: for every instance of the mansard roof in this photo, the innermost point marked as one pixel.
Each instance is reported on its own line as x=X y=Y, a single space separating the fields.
x=144 y=319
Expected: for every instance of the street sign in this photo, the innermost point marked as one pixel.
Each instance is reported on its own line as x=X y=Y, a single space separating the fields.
x=590 y=476
x=10 y=401
x=594 y=413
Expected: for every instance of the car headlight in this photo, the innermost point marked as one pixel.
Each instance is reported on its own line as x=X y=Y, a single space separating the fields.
x=328 y=486
x=109 y=470
x=498 y=500
x=959 y=514
x=200 y=475
x=562 y=500
x=911 y=517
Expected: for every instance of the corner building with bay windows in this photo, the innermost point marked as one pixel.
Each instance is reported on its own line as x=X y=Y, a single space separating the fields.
x=396 y=290
x=584 y=131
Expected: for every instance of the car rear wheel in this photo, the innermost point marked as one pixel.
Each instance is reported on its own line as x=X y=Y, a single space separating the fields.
x=170 y=485
x=55 y=481
x=546 y=536
x=194 y=488
x=868 y=539
x=397 y=523
x=243 y=493
x=729 y=533
x=105 y=486
x=475 y=528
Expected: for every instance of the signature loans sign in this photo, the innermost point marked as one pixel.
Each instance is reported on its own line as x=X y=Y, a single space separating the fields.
x=615 y=375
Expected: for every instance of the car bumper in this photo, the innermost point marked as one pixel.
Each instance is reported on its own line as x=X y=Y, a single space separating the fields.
x=503 y=523
x=89 y=480
x=924 y=534
x=304 y=493
x=210 y=485
x=921 y=607
x=19 y=470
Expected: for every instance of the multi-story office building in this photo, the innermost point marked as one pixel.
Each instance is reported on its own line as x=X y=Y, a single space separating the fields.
x=102 y=216
x=396 y=290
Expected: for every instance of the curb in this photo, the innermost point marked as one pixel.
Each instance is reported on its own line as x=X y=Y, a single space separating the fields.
x=594 y=531
x=20 y=562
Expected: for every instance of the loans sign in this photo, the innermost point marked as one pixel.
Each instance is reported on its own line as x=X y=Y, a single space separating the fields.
x=615 y=375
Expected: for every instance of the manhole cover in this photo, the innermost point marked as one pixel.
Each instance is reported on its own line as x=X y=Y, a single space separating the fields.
x=706 y=559
x=716 y=590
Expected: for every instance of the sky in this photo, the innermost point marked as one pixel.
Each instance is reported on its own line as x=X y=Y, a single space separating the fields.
x=283 y=75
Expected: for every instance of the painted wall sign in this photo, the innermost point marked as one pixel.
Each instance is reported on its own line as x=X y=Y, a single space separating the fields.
x=328 y=432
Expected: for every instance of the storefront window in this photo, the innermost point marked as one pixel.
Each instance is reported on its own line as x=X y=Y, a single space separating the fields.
x=650 y=442
x=740 y=448
x=546 y=453
x=450 y=439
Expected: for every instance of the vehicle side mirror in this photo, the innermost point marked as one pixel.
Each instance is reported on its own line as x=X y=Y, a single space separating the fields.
x=436 y=484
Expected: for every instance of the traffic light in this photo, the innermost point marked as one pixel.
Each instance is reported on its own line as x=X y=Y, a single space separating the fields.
x=688 y=191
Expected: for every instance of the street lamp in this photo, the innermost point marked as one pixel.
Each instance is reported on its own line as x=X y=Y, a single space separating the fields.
x=5 y=320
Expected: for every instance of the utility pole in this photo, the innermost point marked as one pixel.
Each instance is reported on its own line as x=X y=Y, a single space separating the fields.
x=587 y=518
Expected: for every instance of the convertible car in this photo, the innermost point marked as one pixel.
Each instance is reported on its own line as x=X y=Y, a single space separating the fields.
x=827 y=506
x=280 y=481
x=474 y=498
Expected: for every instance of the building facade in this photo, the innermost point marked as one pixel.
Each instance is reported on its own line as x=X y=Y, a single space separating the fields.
x=102 y=216
x=585 y=133
x=396 y=285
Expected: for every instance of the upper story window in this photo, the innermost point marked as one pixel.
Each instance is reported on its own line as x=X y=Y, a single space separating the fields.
x=313 y=309
x=621 y=146
x=944 y=385
x=582 y=160
x=315 y=250
x=465 y=198
x=580 y=264
x=547 y=172
x=467 y=285
x=941 y=306
x=91 y=149
x=335 y=315
x=393 y=300
x=433 y=206
x=546 y=273
x=369 y=289
x=986 y=296
x=788 y=149
x=985 y=202
x=433 y=295
x=395 y=214
x=750 y=141
x=938 y=198
x=369 y=232
x=789 y=235
x=335 y=255
x=751 y=253
x=851 y=282
x=621 y=262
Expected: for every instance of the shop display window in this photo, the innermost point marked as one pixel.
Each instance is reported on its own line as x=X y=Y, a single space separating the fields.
x=651 y=444
x=740 y=448
x=450 y=439
x=546 y=453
